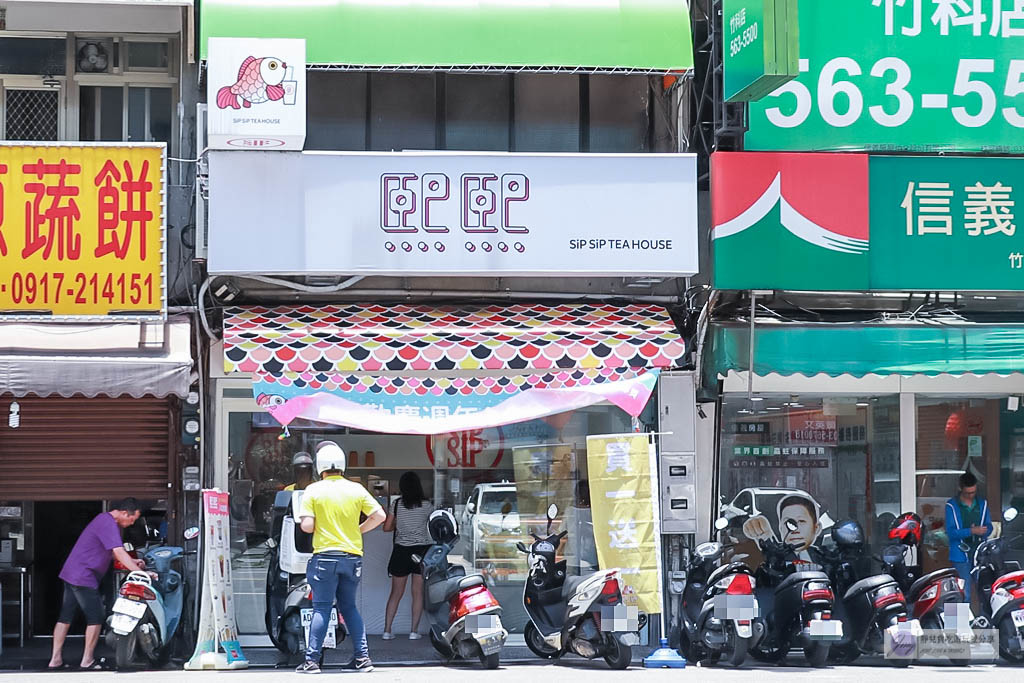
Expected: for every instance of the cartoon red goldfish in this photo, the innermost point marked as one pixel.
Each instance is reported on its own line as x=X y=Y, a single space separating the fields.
x=259 y=80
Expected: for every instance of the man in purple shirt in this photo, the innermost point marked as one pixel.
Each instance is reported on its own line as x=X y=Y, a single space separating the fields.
x=88 y=562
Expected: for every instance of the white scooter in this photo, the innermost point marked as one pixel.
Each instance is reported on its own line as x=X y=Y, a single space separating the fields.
x=584 y=615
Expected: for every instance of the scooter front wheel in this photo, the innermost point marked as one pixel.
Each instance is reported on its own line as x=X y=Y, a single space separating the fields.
x=536 y=643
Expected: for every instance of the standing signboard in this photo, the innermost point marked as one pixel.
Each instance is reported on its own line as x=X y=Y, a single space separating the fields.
x=894 y=75
x=256 y=93
x=760 y=48
x=217 y=610
x=624 y=506
x=82 y=231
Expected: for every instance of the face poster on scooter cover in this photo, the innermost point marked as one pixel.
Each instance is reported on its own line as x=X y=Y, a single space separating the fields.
x=625 y=514
x=217 y=616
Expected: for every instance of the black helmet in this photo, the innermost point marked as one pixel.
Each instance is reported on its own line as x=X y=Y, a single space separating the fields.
x=848 y=534
x=442 y=527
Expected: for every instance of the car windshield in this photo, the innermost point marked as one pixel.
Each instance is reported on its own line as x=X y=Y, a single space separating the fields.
x=491 y=502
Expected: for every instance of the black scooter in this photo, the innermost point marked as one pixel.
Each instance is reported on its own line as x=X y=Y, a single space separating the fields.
x=289 y=609
x=872 y=608
x=796 y=608
x=719 y=607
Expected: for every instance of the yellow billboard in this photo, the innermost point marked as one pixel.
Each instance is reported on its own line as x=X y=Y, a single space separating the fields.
x=82 y=230
x=625 y=514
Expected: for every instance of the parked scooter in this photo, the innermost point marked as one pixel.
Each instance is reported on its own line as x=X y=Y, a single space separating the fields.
x=465 y=618
x=147 y=611
x=719 y=607
x=928 y=595
x=796 y=608
x=584 y=615
x=871 y=607
x=1000 y=584
x=289 y=611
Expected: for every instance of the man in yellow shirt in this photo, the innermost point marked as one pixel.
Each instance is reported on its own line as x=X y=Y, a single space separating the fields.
x=330 y=511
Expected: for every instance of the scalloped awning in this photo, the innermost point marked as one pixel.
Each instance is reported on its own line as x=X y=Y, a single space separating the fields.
x=422 y=369
x=859 y=350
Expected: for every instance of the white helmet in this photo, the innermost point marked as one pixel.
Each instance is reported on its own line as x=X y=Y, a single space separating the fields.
x=329 y=456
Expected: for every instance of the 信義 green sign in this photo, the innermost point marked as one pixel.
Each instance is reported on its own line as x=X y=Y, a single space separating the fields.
x=900 y=75
x=760 y=47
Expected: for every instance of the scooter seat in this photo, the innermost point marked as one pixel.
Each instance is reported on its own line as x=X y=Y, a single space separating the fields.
x=918 y=586
x=454 y=587
x=868 y=584
x=799 y=577
x=570 y=585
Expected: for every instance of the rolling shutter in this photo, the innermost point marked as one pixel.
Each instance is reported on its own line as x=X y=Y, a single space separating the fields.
x=85 y=448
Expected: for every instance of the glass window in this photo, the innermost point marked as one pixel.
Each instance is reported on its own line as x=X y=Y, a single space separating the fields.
x=841 y=453
x=336 y=111
x=477 y=112
x=547 y=113
x=146 y=56
x=33 y=56
x=101 y=112
x=149 y=115
x=618 y=113
x=403 y=112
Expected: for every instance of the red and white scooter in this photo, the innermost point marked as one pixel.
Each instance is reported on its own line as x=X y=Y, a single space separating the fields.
x=1000 y=585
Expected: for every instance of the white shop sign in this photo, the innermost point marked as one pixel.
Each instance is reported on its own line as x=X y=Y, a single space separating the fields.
x=256 y=93
x=431 y=213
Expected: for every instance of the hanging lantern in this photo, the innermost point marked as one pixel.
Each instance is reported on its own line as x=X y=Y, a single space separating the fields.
x=956 y=428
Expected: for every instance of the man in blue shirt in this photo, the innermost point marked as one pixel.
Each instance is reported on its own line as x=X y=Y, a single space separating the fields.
x=967 y=524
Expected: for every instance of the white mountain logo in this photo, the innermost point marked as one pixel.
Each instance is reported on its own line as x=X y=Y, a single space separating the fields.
x=792 y=220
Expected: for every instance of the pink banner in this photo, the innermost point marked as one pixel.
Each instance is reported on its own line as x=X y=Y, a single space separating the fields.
x=631 y=395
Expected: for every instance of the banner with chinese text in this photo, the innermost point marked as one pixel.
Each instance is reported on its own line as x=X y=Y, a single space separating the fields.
x=854 y=222
x=625 y=514
x=82 y=230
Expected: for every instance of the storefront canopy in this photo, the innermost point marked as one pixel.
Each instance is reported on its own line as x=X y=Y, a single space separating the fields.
x=595 y=35
x=95 y=359
x=858 y=350
x=424 y=370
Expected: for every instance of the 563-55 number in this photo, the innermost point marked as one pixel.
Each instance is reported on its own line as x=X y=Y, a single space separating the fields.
x=977 y=103
x=124 y=289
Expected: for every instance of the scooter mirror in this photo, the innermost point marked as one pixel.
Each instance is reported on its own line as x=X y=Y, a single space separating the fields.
x=522 y=547
x=1009 y=514
x=506 y=508
x=271 y=543
x=191 y=532
x=721 y=523
x=791 y=525
x=552 y=511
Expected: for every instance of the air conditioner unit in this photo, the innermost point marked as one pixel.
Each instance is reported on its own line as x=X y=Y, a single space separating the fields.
x=202 y=184
x=94 y=57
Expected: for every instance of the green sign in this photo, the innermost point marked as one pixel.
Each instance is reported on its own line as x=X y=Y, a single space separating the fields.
x=760 y=48
x=644 y=35
x=889 y=75
x=854 y=222
x=946 y=223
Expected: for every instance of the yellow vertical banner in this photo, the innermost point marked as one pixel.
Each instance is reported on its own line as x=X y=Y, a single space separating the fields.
x=625 y=513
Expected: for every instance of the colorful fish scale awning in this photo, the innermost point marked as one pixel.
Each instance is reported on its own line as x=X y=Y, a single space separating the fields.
x=335 y=340
x=425 y=370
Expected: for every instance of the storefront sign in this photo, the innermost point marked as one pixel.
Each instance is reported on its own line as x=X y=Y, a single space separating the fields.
x=454 y=214
x=625 y=512
x=82 y=230
x=760 y=47
x=217 y=611
x=473 y=449
x=900 y=75
x=256 y=93
x=854 y=222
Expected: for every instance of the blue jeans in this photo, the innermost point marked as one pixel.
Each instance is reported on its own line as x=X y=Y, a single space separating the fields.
x=335 y=577
x=964 y=570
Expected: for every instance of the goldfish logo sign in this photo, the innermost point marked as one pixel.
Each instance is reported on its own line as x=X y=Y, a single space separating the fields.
x=256 y=94
x=790 y=221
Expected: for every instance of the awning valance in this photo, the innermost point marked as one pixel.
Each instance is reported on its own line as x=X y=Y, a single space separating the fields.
x=95 y=359
x=422 y=370
x=859 y=350
x=589 y=35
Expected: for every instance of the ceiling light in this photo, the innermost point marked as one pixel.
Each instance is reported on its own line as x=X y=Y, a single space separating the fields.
x=863 y=404
x=773 y=408
x=756 y=398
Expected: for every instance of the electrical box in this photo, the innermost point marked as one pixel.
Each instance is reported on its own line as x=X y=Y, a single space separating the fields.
x=677 y=475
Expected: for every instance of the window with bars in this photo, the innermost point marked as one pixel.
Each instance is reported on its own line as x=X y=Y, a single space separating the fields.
x=31 y=114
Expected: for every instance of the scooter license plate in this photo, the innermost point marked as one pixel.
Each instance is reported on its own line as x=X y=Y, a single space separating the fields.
x=490 y=642
x=825 y=629
x=123 y=623
x=129 y=607
x=330 y=640
x=1018 y=617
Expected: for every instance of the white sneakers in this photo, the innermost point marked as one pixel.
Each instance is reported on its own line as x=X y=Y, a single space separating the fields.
x=414 y=636
x=387 y=636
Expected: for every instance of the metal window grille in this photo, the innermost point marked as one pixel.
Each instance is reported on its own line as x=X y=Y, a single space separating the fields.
x=32 y=114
